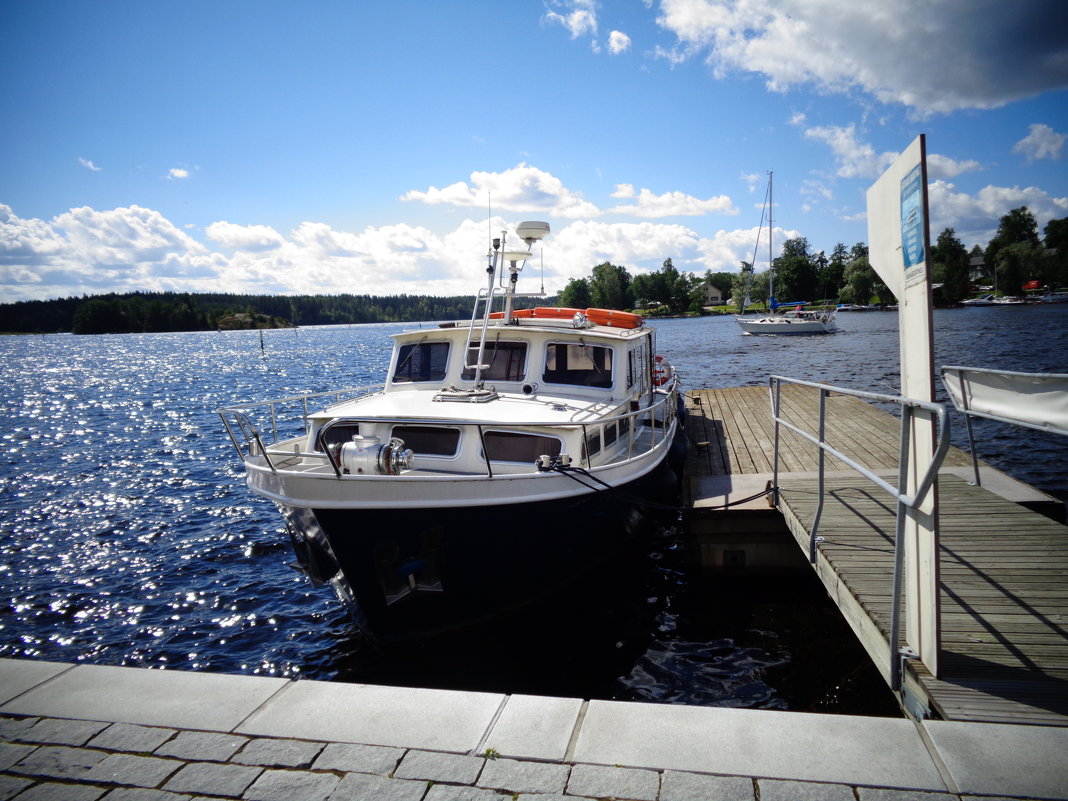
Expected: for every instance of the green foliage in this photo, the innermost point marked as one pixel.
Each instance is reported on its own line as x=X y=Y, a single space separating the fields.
x=576 y=294
x=949 y=266
x=859 y=282
x=139 y=312
x=796 y=276
x=610 y=287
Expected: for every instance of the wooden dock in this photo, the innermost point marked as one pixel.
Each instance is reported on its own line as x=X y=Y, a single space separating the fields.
x=1004 y=598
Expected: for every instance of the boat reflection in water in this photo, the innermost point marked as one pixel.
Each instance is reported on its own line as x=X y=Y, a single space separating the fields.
x=504 y=457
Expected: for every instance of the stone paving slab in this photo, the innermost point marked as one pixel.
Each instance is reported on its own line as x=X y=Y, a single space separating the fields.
x=779 y=745
x=19 y=675
x=131 y=737
x=519 y=776
x=534 y=727
x=290 y=785
x=150 y=697
x=279 y=753
x=437 y=767
x=441 y=720
x=354 y=758
x=202 y=745
x=995 y=758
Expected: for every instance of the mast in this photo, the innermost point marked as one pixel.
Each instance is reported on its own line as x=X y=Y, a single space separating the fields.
x=771 y=263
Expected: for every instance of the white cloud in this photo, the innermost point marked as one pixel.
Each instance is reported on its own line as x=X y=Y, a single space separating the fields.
x=526 y=189
x=579 y=17
x=752 y=180
x=1041 y=143
x=177 y=172
x=855 y=159
x=939 y=166
x=858 y=159
x=618 y=42
x=932 y=57
x=89 y=251
x=672 y=204
x=520 y=189
x=244 y=237
x=89 y=165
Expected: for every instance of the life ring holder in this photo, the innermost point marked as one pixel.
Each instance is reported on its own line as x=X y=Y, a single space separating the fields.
x=662 y=371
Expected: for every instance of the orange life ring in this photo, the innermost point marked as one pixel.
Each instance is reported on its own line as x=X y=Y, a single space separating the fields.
x=661 y=371
x=555 y=312
x=515 y=313
x=613 y=318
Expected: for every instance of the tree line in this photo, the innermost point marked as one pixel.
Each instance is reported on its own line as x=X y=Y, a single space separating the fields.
x=151 y=312
x=1015 y=256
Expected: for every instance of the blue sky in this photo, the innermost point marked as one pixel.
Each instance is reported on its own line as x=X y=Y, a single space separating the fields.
x=326 y=147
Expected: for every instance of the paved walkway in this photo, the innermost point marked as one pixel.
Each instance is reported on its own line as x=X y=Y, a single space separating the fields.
x=69 y=733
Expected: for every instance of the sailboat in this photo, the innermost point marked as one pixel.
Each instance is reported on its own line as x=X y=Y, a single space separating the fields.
x=796 y=320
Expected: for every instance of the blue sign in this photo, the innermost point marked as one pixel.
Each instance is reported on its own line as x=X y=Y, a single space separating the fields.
x=912 y=222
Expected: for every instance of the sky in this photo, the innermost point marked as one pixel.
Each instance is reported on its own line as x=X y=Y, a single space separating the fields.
x=324 y=147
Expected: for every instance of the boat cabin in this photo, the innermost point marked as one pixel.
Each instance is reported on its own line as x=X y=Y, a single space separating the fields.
x=545 y=390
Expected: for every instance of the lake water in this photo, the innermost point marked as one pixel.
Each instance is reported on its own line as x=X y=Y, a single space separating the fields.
x=128 y=537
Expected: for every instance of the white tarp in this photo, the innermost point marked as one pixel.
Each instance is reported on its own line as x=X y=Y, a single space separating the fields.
x=1035 y=400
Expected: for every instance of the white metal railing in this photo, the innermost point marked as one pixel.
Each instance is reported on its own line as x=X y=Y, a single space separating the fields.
x=239 y=423
x=905 y=501
x=657 y=419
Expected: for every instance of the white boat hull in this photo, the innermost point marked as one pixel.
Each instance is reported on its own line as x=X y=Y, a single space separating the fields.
x=786 y=325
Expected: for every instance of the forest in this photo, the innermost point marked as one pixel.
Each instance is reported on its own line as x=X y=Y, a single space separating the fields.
x=139 y=312
x=1014 y=257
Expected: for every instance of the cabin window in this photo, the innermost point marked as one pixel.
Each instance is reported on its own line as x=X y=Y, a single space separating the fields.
x=337 y=434
x=609 y=434
x=593 y=443
x=429 y=440
x=422 y=361
x=579 y=365
x=507 y=361
x=636 y=367
x=510 y=446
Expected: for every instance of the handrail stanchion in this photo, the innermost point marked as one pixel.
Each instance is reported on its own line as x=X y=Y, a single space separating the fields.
x=776 y=399
x=904 y=439
x=822 y=476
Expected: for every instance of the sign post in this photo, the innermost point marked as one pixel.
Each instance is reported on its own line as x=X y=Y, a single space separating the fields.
x=899 y=246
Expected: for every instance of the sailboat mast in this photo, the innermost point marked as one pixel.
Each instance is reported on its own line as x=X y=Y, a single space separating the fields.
x=771 y=256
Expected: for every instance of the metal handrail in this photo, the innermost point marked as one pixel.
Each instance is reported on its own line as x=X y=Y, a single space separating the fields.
x=909 y=406
x=241 y=429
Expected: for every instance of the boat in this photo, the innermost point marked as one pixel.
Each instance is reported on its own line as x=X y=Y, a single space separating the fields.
x=504 y=457
x=1059 y=296
x=984 y=300
x=794 y=319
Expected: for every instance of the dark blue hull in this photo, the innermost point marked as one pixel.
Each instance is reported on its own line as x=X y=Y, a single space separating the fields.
x=416 y=572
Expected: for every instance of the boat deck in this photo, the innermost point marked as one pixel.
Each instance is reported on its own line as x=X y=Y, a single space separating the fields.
x=1004 y=598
